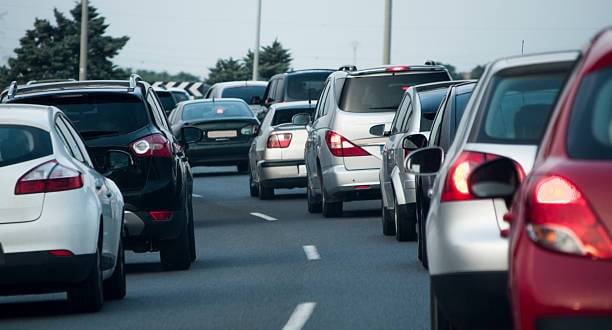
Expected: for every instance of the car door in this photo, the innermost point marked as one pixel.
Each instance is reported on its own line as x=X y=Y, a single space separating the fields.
x=313 y=142
x=259 y=144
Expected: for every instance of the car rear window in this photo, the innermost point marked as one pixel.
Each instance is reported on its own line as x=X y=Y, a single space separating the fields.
x=179 y=96
x=245 y=93
x=216 y=110
x=99 y=114
x=20 y=144
x=166 y=99
x=305 y=86
x=518 y=107
x=590 y=128
x=285 y=116
x=430 y=102
x=382 y=93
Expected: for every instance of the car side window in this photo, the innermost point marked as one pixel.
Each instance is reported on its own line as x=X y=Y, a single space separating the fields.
x=435 y=128
x=78 y=140
x=407 y=115
x=272 y=92
x=396 y=125
x=321 y=105
x=156 y=109
x=280 y=90
x=69 y=139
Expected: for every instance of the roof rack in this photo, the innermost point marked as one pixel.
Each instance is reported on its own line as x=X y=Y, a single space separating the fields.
x=12 y=90
x=348 y=68
x=431 y=62
x=134 y=79
x=45 y=81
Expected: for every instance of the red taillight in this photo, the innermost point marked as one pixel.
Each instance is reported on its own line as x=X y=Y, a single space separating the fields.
x=341 y=147
x=559 y=218
x=61 y=253
x=48 y=177
x=397 y=68
x=155 y=145
x=160 y=215
x=282 y=140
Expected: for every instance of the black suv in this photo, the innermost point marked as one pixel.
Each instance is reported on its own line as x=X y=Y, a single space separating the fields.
x=301 y=85
x=157 y=186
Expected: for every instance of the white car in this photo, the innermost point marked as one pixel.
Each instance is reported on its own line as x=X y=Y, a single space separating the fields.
x=60 y=220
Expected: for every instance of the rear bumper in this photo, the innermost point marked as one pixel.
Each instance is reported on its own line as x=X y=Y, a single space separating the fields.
x=473 y=300
x=282 y=173
x=344 y=185
x=219 y=155
x=143 y=232
x=35 y=272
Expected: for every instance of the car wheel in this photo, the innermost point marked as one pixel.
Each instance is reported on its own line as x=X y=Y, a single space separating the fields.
x=330 y=209
x=422 y=238
x=243 y=167
x=88 y=296
x=265 y=193
x=253 y=189
x=405 y=227
x=176 y=254
x=314 y=202
x=388 y=227
x=114 y=286
x=438 y=320
x=192 y=240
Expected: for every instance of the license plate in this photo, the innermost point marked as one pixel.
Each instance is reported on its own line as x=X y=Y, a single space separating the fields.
x=221 y=134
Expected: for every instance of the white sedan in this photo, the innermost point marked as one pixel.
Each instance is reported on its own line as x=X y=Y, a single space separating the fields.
x=60 y=220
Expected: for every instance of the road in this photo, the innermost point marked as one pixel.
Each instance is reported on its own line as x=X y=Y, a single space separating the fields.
x=253 y=273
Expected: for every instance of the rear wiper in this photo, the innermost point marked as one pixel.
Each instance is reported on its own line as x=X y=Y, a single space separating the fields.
x=386 y=107
x=93 y=134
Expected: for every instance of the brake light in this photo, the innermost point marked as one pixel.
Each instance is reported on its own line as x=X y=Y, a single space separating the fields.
x=282 y=140
x=560 y=219
x=160 y=215
x=155 y=145
x=61 y=253
x=339 y=146
x=48 y=177
x=397 y=68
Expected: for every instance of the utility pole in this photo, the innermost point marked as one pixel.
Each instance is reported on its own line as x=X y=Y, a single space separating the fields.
x=84 y=29
x=387 y=33
x=256 y=50
x=355 y=44
x=523 y=47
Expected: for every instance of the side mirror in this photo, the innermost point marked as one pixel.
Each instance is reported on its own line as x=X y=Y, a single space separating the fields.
x=301 y=119
x=498 y=178
x=413 y=142
x=255 y=100
x=191 y=135
x=118 y=160
x=380 y=130
x=425 y=162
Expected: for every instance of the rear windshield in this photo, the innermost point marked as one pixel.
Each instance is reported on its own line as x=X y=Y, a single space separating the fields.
x=518 y=108
x=20 y=144
x=285 y=116
x=245 y=93
x=166 y=100
x=382 y=93
x=590 y=128
x=216 y=110
x=430 y=102
x=99 y=114
x=305 y=86
x=179 y=96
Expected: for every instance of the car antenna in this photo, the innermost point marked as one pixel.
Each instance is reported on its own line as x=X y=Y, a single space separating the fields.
x=309 y=98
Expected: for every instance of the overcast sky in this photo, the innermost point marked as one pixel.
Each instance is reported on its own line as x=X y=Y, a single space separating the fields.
x=190 y=35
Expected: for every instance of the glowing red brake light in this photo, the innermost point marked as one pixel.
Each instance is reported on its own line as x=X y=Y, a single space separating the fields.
x=160 y=215
x=397 y=68
x=48 y=177
x=559 y=218
x=61 y=253
x=339 y=146
x=282 y=140
x=155 y=145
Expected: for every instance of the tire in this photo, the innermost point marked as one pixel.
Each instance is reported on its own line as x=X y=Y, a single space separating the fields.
x=114 y=286
x=192 y=240
x=243 y=167
x=253 y=189
x=176 y=254
x=314 y=202
x=438 y=320
x=421 y=237
x=405 y=227
x=388 y=227
x=265 y=193
x=88 y=296
x=330 y=209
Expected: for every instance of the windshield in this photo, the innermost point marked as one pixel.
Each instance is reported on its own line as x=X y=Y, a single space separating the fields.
x=216 y=110
x=245 y=93
x=382 y=93
x=305 y=86
x=23 y=143
x=98 y=114
x=430 y=102
x=285 y=116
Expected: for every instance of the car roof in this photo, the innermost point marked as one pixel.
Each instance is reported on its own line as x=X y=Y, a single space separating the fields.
x=27 y=114
x=241 y=83
x=215 y=100
x=294 y=105
x=533 y=59
x=437 y=85
x=303 y=71
x=464 y=88
x=391 y=69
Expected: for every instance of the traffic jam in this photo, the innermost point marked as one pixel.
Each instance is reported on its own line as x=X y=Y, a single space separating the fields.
x=498 y=185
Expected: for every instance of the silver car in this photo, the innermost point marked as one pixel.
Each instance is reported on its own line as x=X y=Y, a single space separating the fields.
x=342 y=157
x=467 y=255
x=276 y=156
x=414 y=115
x=251 y=92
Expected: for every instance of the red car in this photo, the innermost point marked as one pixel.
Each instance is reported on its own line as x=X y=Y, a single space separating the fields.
x=560 y=272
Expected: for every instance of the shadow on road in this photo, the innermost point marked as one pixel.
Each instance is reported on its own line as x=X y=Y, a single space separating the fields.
x=34 y=309
x=290 y=196
x=361 y=213
x=143 y=267
x=213 y=174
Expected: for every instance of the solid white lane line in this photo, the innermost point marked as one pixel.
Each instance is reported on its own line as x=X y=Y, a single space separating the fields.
x=311 y=252
x=300 y=316
x=263 y=216
x=197 y=196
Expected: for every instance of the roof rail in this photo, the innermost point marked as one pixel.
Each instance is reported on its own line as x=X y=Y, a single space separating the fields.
x=348 y=68
x=32 y=82
x=12 y=90
x=430 y=62
x=134 y=79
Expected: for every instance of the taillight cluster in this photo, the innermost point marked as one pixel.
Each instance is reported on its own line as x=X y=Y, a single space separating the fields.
x=48 y=177
x=280 y=140
x=155 y=145
x=339 y=146
x=559 y=218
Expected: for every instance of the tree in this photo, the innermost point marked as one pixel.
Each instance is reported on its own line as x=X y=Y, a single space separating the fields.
x=151 y=76
x=273 y=59
x=452 y=70
x=477 y=72
x=226 y=70
x=50 y=51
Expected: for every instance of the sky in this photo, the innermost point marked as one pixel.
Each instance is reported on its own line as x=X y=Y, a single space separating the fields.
x=190 y=35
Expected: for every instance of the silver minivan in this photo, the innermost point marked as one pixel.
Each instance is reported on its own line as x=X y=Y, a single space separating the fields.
x=342 y=157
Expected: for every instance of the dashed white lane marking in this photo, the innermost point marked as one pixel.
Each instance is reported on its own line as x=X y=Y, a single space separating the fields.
x=197 y=196
x=311 y=252
x=263 y=216
x=300 y=316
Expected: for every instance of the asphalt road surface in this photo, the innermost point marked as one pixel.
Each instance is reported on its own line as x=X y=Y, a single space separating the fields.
x=280 y=268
